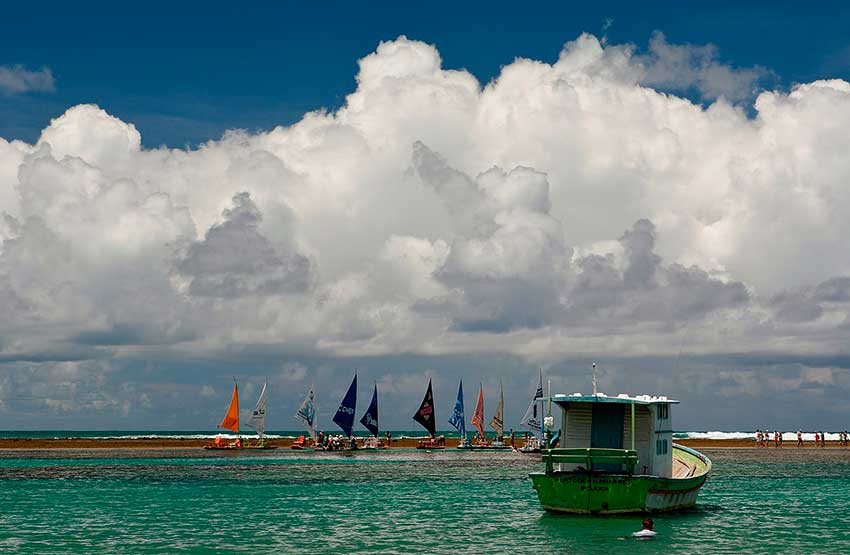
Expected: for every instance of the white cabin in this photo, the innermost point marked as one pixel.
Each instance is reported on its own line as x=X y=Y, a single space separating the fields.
x=601 y=421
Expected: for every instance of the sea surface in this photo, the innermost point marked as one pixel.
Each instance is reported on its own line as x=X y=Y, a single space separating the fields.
x=401 y=501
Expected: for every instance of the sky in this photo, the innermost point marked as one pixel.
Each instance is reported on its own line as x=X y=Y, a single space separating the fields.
x=294 y=193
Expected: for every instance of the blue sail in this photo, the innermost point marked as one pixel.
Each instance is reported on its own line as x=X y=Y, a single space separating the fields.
x=370 y=418
x=344 y=417
x=458 y=420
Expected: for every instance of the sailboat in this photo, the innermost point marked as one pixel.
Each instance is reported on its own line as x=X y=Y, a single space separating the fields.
x=458 y=420
x=344 y=418
x=480 y=443
x=229 y=422
x=370 y=422
x=306 y=413
x=425 y=417
x=258 y=420
x=533 y=420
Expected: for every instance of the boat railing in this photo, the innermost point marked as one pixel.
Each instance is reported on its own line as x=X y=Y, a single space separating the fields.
x=589 y=457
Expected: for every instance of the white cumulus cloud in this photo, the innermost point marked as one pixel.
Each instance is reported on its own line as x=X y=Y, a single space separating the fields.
x=562 y=209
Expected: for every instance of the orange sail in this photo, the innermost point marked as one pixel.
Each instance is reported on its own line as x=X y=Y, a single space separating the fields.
x=478 y=415
x=231 y=419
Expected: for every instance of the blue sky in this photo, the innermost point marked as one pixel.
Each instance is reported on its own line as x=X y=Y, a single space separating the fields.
x=507 y=188
x=185 y=73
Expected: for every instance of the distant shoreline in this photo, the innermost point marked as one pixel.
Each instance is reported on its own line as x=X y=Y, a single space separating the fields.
x=285 y=443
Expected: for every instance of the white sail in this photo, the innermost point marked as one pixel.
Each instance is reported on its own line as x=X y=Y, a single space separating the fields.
x=533 y=419
x=258 y=417
x=498 y=422
x=307 y=413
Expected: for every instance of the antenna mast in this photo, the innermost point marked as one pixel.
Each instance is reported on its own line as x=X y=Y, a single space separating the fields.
x=594 y=379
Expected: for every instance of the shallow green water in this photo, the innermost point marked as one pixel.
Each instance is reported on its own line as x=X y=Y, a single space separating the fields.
x=399 y=502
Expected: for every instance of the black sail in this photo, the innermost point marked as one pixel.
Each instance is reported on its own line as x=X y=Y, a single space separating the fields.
x=425 y=414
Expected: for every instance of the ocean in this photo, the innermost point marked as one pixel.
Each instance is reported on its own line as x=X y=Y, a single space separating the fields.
x=400 y=501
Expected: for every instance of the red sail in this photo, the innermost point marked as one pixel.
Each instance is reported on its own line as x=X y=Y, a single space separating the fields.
x=231 y=419
x=478 y=415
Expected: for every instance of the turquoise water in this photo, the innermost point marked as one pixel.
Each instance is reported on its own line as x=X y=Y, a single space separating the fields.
x=159 y=501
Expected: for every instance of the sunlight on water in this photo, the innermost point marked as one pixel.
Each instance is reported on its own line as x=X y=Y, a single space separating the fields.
x=397 y=502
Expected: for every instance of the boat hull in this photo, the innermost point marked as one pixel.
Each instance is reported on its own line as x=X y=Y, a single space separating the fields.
x=583 y=492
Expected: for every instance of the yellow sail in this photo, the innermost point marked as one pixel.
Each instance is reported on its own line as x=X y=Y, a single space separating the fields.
x=231 y=418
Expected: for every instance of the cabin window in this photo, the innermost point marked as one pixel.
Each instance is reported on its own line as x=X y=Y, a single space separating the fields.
x=663 y=412
x=661 y=447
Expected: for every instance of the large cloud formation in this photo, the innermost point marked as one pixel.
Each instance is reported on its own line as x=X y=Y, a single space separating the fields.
x=565 y=209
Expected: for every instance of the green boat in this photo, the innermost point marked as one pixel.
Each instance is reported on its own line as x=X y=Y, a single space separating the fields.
x=595 y=473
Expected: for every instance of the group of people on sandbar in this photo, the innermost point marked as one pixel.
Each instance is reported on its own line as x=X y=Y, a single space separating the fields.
x=763 y=439
x=338 y=442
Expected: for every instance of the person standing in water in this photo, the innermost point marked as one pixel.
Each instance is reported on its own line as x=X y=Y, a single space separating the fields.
x=799 y=438
x=646 y=530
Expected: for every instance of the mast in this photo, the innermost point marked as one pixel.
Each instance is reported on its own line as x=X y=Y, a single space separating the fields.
x=458 y=420
x=370 y=417
x=344 y=417
x=231 y=417
x=478 y=415
x=425 y=415
x=258 y=417
x=498 y=422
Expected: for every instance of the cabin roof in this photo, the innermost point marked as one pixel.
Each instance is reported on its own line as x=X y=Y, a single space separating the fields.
x=621 y=398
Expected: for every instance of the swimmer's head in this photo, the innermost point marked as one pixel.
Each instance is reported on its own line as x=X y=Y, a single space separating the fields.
x=648 y=524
